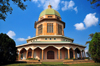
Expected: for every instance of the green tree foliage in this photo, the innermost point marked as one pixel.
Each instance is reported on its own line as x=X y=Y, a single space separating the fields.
x=95 y=3
x=5 y=7
x=94 y=47
x=90 y=37
x=7 y=49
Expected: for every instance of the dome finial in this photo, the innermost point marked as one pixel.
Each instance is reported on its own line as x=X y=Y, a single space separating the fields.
x=49 y=6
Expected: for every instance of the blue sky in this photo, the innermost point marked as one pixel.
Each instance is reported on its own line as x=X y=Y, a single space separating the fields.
x=81 y=20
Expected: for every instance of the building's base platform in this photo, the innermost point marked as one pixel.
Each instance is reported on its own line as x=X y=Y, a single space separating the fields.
x=64 y=61
x=77 y=61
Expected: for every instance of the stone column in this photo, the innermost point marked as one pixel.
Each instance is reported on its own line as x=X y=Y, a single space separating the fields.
x=81 y=54
x=84 y=54
x=59 y=54
x=32 y=53
x=74 y=54
x=42 y=54
x=26 y=54
x=19 y=56
x=68 y=54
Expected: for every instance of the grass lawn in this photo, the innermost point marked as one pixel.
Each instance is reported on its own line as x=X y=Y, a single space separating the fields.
x=54 y=64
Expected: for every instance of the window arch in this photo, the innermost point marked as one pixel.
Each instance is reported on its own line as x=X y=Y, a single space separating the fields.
x=40 y=29
x=59 y=29
x=49 y=27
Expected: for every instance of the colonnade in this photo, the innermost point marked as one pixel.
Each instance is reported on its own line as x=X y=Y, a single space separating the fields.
x=81 y=54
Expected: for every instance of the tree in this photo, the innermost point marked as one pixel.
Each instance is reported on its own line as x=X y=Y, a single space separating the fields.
x=91 y=36
x=7 y=49
x=94 y=47
x=95 y=2
x=5 y=7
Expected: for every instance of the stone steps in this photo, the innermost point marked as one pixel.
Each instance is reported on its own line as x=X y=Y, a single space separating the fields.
x=64 y=61
x=78 y=61
x=31 y=61
x=52 y=60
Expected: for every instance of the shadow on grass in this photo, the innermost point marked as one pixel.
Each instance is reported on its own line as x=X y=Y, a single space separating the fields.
x=26 y=64
x=16 y=62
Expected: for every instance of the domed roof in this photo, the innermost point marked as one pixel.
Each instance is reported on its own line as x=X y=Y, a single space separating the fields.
x=49 y=11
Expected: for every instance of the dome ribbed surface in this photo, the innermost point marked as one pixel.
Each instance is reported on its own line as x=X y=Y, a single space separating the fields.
x=49 y=12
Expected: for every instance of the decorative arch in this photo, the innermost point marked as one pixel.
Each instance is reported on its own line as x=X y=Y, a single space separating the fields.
x=38 y=47
x=50 y=45
x=83 y=50
x=19 y=49
x=78 y=48
x=29 y=48
x=64 y=47
x=22 y=49
x=71 y=47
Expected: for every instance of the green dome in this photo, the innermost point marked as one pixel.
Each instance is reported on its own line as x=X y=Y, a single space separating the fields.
x=49 y=12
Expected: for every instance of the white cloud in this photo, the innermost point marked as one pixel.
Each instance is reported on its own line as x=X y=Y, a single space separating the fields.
x=79 y=26
x=45 y=3
x=65 y=5
x=11 y=34
x=62 y=1
x=69 y=5
x=34 y=0
x=54 y=3
x=42 y=1
x=21 y=39
x=39 y=5
x=29 y=37
x=76 y=9
x=86 y=50
x=90 y=20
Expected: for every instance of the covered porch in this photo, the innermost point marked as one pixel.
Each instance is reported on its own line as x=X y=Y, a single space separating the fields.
x=51 y=52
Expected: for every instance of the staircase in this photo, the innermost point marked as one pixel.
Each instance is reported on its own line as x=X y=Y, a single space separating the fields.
x=71 y=61
x=77 y=61
x=50 y=60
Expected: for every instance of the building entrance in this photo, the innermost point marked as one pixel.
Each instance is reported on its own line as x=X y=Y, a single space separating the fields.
x=50 y=55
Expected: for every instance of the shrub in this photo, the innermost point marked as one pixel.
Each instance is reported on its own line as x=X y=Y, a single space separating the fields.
x=94 y=47
x=8 y=50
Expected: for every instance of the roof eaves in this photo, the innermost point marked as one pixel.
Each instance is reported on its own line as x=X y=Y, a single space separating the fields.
x=50 y=43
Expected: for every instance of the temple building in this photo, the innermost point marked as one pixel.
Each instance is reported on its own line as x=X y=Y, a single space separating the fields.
x=50 y=42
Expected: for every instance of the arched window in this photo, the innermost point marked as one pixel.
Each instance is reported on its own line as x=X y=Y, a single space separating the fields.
x=40 y=29
x=59 y=29
x=49 y=27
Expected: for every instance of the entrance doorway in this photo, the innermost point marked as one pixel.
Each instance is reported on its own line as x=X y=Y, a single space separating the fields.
x=50 y=55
